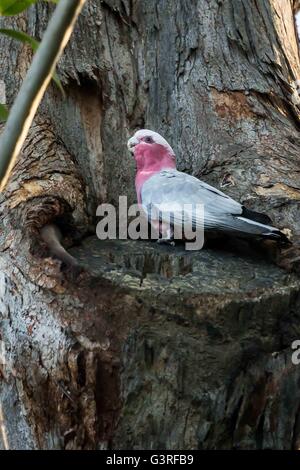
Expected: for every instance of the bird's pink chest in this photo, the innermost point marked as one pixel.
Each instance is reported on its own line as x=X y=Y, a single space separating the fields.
x=150 y=160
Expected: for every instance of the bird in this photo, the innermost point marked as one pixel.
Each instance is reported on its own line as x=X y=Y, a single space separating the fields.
x=158 y=183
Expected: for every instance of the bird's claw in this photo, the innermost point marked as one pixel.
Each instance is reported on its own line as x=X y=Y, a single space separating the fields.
x=165 y=241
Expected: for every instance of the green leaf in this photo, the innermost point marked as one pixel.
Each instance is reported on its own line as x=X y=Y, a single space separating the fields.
x=3 y=112
x=13 y=7
x=20 y=36
x=25 y=38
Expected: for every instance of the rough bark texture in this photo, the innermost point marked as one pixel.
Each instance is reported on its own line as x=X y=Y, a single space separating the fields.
x=150 y=347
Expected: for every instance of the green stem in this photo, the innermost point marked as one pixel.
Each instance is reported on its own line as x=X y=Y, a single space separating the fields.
x=34 y=86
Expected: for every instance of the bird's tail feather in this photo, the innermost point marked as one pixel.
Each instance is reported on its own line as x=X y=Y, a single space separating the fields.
x=279 y=236
x=263 y=230
x=256 y=216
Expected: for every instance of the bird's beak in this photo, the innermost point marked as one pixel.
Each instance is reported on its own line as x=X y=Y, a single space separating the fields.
x=132 y=142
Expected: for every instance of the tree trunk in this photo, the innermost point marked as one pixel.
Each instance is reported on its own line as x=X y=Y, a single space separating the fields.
x=152 y=347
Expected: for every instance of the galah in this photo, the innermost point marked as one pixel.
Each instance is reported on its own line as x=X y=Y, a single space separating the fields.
x=159 y=183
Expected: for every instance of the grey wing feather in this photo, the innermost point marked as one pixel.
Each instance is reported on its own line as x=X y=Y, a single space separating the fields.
x=221 y=212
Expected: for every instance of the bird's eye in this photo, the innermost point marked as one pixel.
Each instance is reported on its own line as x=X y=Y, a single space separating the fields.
x=148 y=139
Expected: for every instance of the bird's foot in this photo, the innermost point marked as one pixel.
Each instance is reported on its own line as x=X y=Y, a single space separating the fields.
x=165 y=241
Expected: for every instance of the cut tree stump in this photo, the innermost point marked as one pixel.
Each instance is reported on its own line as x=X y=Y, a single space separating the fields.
x=167 y=349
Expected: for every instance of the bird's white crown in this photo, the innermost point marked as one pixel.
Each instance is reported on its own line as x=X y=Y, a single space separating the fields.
x=156 y=137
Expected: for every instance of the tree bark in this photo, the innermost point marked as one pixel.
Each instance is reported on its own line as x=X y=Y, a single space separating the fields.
x=149 y=347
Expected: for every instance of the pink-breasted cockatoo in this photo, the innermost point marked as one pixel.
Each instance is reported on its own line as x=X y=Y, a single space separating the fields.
x=158 y=183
